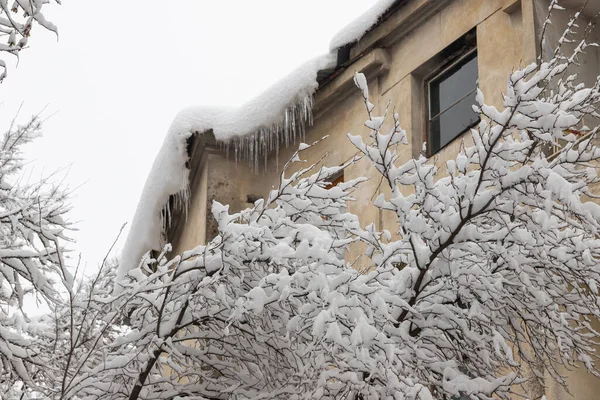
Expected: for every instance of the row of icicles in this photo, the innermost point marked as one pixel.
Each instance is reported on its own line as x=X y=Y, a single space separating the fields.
x=266 y=140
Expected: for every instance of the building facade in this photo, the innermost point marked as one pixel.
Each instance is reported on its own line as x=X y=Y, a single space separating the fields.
x=425 y=57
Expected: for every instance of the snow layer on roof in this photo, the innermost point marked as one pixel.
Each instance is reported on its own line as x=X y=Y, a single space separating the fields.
x=169 y=174
x=361 y=25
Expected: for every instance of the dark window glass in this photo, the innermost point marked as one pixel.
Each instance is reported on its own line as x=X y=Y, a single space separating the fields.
x=451 y=95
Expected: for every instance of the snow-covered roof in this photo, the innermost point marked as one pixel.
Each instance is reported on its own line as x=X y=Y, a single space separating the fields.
x=169 y=174
x=361 y=25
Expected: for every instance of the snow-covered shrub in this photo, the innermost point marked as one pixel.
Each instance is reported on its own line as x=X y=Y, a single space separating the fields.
x=493 y=272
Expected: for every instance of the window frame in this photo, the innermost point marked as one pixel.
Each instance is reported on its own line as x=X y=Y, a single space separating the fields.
x=336 y=179
x=467 y=47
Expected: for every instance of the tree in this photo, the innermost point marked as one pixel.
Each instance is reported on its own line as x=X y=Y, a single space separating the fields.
x=16 y=23
x=492 y=272
x=32 y=240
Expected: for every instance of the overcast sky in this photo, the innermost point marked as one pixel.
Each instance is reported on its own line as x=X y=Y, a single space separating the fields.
x=121 y=70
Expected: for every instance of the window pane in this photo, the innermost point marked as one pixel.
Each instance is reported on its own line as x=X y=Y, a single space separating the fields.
x=448 y=88
x=458 y=118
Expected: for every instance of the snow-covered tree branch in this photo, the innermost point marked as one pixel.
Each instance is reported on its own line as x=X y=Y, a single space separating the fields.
x=33 y=228
x=489 y=280
x=16 y=23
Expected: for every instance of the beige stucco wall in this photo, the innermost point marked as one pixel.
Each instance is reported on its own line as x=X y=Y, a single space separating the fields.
x=581 y=385
x=505 y=39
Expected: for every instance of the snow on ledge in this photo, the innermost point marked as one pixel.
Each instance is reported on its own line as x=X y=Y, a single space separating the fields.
x=356 y=29
x=169 y=174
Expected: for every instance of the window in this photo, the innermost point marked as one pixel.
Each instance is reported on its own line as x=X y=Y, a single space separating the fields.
x=336 y=179
x=451 y=93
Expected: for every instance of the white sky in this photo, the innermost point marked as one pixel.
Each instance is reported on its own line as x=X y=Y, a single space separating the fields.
x=122 y=69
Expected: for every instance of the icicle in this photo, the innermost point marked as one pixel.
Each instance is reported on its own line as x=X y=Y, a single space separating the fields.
x=180 y=201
